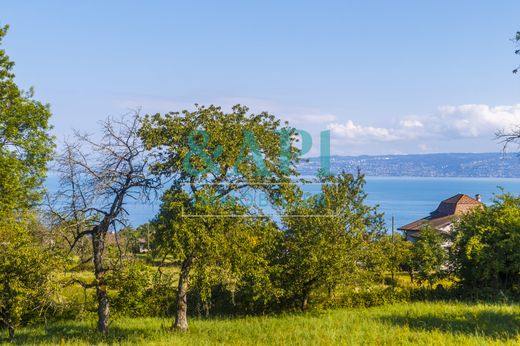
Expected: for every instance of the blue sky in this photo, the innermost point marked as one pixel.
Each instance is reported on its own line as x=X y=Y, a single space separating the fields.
x=385 y=77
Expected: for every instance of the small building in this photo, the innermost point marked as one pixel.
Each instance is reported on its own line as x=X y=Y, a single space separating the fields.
x=143 y=245
x=443 y=217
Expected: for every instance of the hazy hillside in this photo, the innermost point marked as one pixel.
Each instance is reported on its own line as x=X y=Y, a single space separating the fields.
x=427 y=165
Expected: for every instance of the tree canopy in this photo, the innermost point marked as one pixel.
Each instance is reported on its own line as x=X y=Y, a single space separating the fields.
x=25 y=271
x=429 y=255
x=212 y=157
x=486 y=244
x=327 y=236
x=25 y=143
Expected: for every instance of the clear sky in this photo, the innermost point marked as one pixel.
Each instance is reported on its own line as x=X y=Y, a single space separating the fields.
x=384 y=76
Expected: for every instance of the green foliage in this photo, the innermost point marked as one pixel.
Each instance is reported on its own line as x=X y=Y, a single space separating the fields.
x=389 y=255
x=133 y=241
x=429 y=255
x=486 y=244
x=25 y=148
x=25 y=143
x=141 y=290
x=327 y=238
x=244 y=282
x=208 y=145
x=132 y=283
x=25 y=272
x=216 y=156
x=226 y=249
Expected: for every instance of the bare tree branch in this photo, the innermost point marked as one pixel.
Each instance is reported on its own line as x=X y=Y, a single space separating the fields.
x=507 y=138
x=97 y=177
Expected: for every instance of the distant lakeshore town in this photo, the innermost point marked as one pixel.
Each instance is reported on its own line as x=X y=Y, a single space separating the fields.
x=474 y=165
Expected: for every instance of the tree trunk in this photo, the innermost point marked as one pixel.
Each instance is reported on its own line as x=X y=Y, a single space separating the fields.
x=305 y=300
x=206 y=308
x=10 y=328
x=98 y=243
x=181 y=313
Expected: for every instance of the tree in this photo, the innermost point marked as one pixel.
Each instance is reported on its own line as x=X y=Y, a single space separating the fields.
x=25 y=272
x=97 y=178
x=390 y=254
x=25 y=143
x=429 y=255
x=25 y=149
x=326 y=236
x=486 y=243
x=215 y=243
x=214 y=155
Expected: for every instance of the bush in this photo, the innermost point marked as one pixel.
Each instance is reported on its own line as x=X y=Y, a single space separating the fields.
x=140 y=290
x=351 y=297
x=25 y=276
x=486 y=243
x=429 y=256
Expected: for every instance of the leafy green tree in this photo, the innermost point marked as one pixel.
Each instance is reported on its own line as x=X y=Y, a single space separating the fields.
x=486 y=243
x=390 y=255
x=25 y=149
x=213 y=242
x=232 y=151
x=25 y=273
x=216 y=155
x=25 y=143
x=401 y=257
x=327 y=237
x=429 y=255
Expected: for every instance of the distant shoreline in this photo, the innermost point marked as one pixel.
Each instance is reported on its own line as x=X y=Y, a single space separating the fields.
x=439 y=165
x=492 y=165
x=501 y=153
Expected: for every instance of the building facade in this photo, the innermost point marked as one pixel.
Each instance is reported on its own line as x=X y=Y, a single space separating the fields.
x=443 y=217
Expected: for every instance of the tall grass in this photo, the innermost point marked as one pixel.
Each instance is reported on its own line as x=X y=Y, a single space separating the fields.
x=404 y=324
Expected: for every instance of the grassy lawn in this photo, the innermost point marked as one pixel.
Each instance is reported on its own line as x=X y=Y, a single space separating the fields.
x=407 y=324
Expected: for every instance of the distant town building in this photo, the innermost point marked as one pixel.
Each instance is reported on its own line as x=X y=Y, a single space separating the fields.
x=443 y=217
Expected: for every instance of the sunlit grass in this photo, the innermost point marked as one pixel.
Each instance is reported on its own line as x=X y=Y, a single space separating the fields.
x=407 y=324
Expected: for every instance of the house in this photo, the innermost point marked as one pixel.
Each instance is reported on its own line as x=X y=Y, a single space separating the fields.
x=443 y=217
x=143 y=245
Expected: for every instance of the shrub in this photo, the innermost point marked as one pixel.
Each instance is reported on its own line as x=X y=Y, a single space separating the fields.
x=25 y=273
x=140 y=290
x=429 y=256
x=486 y=243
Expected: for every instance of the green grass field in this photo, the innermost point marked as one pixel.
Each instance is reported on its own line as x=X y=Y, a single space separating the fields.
x=406 y=324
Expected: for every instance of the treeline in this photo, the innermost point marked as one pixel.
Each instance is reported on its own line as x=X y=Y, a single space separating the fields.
x=211 y=249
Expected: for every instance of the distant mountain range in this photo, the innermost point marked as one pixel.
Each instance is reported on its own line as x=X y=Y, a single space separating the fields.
x=497 y=165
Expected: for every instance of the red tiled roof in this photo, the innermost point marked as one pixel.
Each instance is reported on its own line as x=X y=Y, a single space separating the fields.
x=445 y=213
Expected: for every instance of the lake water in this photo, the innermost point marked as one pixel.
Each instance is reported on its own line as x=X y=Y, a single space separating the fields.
x=404 y=198
x=410 y=198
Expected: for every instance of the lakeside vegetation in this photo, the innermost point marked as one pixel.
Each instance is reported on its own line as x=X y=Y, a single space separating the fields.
x=210 y=269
